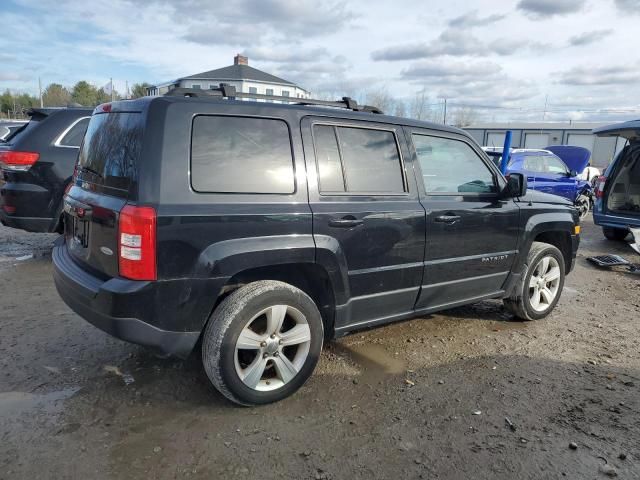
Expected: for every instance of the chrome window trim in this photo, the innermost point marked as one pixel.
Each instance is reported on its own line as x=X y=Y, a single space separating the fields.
x=67 y=130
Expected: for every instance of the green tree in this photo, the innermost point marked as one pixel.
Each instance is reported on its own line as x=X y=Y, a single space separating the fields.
x=16 y=105
x=103 y=97
x=85 y=94
x=55 y=95
x=139 y=89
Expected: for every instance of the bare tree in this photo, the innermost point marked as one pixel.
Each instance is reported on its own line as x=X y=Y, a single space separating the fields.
x=465 y=116
x=382 y=99
x=401 y=109
x=420 y=107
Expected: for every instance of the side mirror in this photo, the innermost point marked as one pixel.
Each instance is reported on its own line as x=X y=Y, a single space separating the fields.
x=516 y=186
x=573 y=173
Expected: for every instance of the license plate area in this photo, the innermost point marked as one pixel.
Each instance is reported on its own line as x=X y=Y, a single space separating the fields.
x=80 y=231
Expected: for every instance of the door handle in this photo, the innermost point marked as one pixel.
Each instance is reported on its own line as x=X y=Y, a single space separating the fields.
x=448 y=219
x=345 y=222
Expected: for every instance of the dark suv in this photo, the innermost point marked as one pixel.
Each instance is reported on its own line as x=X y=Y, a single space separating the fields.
x=36 y=165
x=263 y=229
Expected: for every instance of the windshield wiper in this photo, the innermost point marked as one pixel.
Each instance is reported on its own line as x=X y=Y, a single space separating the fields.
x=92 y=171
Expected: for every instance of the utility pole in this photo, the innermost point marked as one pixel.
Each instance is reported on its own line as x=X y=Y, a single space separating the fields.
x=40 y=90
x=444 y=120
x=546 y=99
x=126 y=89
x=111 y=83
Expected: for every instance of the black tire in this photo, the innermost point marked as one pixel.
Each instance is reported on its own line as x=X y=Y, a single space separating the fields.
x=520 y=304
x=228 y=321
x=616 y=234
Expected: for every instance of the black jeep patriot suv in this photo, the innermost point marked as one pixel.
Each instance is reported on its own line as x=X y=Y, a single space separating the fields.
x=264 y=228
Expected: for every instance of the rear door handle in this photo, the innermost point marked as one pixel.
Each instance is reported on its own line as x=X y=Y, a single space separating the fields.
x=448 y=219
x=345 y=222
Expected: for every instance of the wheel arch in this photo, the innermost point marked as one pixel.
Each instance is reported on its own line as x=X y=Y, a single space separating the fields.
x=561 y=239
x=312 y=278
x=554 y=228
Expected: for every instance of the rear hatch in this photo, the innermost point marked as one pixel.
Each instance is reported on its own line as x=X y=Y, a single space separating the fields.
x=106 y=179
x=621 y=190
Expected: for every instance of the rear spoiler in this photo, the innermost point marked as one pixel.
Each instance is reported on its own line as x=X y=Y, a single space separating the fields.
x=46 y=111
x=43 y=112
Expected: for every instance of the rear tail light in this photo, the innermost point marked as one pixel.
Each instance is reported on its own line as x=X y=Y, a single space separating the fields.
x=9 y=209
x=600 y=184
x=18 y=161
x=137 y=243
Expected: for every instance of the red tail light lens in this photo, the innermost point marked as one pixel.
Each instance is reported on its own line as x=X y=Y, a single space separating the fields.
x=137 y=243
x=18 y=161
x=600 y=184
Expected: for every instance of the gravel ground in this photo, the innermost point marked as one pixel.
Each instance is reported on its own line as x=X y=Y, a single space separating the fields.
x=467 y=393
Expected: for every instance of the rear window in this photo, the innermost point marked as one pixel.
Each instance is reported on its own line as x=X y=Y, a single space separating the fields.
x=110 y=151
x=241 y=155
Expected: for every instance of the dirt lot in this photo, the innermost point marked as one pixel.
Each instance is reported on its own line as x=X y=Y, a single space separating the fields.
x=463 y=394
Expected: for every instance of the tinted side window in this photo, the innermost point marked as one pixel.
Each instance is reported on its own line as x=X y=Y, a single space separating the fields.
x=452 y=166
x=73 y=138
x=328 y=157
x=241 y=155
x=371 y=160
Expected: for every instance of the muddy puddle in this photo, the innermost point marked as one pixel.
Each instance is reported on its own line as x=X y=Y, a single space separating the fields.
x=14 y=403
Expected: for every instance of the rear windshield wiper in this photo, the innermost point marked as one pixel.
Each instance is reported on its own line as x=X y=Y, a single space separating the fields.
x=92 y=171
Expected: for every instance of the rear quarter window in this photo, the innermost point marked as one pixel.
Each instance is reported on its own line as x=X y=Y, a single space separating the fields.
x=73 y=135
x=241 y=155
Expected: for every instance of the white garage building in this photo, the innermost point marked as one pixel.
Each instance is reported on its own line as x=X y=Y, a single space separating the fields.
x=245 y=78
x=540 y=135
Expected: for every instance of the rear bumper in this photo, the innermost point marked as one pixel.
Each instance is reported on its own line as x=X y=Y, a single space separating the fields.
x=615 y=221
x=30 y=224
x=118 y=306
x=33 y=206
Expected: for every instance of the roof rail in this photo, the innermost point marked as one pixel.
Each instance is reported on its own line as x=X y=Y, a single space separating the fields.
x=229 y=92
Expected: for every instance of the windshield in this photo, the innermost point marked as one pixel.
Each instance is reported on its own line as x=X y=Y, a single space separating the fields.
x=110 y=150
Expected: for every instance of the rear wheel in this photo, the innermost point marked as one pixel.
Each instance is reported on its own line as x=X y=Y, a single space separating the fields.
x=262 y=342
x=617 y=234
x=541 y=285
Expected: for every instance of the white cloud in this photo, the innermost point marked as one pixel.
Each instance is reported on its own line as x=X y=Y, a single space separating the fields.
x=493 y=55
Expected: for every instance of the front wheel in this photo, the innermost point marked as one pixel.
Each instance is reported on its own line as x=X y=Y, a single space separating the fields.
x=583 y=204
x=541 y=285
x=262 y=343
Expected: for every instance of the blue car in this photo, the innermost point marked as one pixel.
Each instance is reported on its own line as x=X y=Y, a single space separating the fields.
x=552 y=170
x=617 y=204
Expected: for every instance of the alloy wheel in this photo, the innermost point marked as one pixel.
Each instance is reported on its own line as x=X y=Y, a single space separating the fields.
x=583 y=204
x=544 y=283
x=272 y=347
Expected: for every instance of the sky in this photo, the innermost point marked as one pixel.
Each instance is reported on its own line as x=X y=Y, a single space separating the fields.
x=533 y=60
